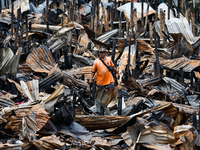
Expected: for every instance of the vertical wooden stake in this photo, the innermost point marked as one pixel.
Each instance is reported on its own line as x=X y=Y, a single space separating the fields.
x=161 y=24
x=120 y=26
x=12 y=18
x=188 y=15
x=142 y=17
x=127 y=27
x=135 y=21
x=151 y=33
x=146 y=19
x=193 y=23
x=120 y=102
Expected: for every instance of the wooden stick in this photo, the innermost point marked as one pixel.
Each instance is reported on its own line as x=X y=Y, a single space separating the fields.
x=193 y=23
x=127 y=27
x=26 y=33
x=120 y=26
x=151 y=33
x=164 y=38
x=146 y=19
x=111 y=18
x=142 y=18
x=12 y=18
x=104 y=16
x=135 y=21
x=161 y=23
x=169 y=9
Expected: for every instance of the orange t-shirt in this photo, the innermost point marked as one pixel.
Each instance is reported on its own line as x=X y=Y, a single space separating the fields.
x=103 y=76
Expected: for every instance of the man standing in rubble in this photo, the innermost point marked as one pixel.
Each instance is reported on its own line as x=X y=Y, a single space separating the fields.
x=102 y=67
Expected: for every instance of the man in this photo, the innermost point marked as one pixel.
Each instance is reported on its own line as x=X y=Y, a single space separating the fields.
x=103 y=80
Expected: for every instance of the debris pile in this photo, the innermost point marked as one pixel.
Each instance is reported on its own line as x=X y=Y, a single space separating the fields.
x=47 y=49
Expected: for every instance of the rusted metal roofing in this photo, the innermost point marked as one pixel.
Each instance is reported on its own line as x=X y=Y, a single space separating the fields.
x=175 y=64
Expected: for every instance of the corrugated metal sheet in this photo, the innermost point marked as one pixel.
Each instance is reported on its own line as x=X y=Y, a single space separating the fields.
x=175 y=64
x=105 y=37
x=126 y=8
x=180 y=26
x=41 y=60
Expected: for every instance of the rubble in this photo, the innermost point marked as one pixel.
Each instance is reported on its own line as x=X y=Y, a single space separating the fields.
x=47 y=49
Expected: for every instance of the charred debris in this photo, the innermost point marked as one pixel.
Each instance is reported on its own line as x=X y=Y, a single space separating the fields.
x=47 y=49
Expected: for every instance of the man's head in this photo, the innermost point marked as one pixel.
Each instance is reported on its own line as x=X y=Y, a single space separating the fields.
x=102 y=53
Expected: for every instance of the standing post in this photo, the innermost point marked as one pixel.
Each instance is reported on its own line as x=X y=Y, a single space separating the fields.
x=120 y=102
x=151 y=33
x=135 y=21
x=193 y=23
x=161 y=24
x=129 y=55
x=65 y=51
x=169 y=9
x=12 y=18
x=182 y=76
x=120 y=25
x=157 y=63
x=93 y=90
x=26 y=33
x=179 y=46
x=146 y=19
x=17 y=29
x=142 y=18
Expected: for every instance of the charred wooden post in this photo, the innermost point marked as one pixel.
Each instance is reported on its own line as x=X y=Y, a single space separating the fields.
x=182 y=101
x=94 y=10
x=65 y=51
x=26 y=33
x=12 y=18
x=93 y=90
x=163 y=30
x=156 y=16
x=169 y=2
x=113 y=49
x=127 y=27
x=146 y=19
x=161 y=24
x=120 y=102
x=157 y=64
x=131 y=17
x=179 y=46
x=135 y=21
x=188 y=15
x=17 y=29
x=181 y=76
x=69 y=10
x=120 y=26
x=151 y=33
x=111 y=18
x=193 y=23
x=172 y=52
x=142 y=17
x=191 y=79
x=115 y=10
x=74 y=10
x=30 y=25
x=194 y=120
x=129 y=55
x=21 y=36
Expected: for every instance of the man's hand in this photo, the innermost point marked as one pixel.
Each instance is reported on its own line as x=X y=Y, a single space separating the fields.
x=118 y=75
x=90 y=81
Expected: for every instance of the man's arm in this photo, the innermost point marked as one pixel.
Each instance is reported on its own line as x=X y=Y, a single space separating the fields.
x=115 y=70
x=92 y=76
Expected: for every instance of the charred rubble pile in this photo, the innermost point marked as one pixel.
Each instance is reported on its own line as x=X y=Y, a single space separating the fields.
x=47 y=49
